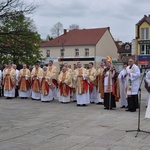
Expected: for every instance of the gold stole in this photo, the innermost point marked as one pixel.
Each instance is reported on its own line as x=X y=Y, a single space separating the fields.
x=23 y=82
x=44 y=90
x=80 y=81
x=50 y=69
x=8 y=82
x=129 y=83
x=90 y=72
x=35 y=86
x=64 y=86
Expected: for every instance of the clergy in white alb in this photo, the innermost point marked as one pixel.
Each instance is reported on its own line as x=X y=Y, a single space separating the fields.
x=46 y=82
x=148 y=82
x=53 y=73
x=9 y=77
x=80 y=78
x=92 y=84
x=122 y=82
x=24 y=80
x=133 y=79
x=99 y=84
x=65 y=84
x=17 y=73
x=35 y=82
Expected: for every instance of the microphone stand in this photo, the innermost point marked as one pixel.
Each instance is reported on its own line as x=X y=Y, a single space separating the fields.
x=139 y=113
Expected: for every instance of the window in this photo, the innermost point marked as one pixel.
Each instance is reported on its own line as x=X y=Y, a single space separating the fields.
x=144 y=33
x=76 y=52
x=127 y=46
x=62 y=52
x=48 y=53
x=86 y=52
x=145 y=49
x=124 y=55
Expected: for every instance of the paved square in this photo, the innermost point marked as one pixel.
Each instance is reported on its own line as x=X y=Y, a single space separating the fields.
x=33 y=125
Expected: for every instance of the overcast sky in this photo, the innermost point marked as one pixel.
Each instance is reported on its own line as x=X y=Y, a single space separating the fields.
x=120 y=15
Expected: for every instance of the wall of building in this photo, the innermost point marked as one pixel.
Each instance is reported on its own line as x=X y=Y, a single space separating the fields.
x=106 y=46
x=143 y=25
x=69 y=51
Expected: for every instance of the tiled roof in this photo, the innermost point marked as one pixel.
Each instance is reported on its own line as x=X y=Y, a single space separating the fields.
x=77 y=37
x=145 y=18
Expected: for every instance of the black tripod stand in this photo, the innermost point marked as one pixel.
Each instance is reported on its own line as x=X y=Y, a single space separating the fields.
x=139 y=113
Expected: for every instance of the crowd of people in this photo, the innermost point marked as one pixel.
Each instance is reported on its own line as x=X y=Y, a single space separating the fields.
x=104 y=86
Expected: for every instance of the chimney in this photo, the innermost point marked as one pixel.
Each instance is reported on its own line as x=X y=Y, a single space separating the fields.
x=108 y=28
x=65 y=31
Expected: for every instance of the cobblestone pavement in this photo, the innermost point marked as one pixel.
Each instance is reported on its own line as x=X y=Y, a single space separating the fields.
x=33 y=125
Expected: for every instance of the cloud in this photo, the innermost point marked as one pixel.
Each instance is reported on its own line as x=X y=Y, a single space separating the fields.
x=120 y=16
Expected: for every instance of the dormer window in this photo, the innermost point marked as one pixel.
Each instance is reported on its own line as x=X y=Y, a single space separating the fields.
x=127 y=46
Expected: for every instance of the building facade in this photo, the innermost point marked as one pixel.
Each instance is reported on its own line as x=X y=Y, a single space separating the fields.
x=86 y=45
x=125 y=52
x=142 y=41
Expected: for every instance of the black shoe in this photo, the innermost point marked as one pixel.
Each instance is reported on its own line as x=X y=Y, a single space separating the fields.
x=84 y=105
x=123 y=106
x=74 y=101
x=78 y=105
x=92 y=102
x=25 y=97
x=100 y=103
x=132 y=110
x=9 y=98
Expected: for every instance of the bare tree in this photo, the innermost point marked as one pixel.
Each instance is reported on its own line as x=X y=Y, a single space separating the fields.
x=57 y=29
x=48 y=38
x=13 y=7
x=73 y=26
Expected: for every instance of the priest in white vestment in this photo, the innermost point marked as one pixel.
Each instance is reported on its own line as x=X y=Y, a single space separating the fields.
x=108 y=75
x=72 y=89
x=53 y=73
x=9 y=77
x=148 y=82
x=17 y=73
x=35 y=82
x=46 y=82
x=65 y=84
x=133 y=79
x=81 y=85
x=122 y=81
x=92 y=84
x=24 y=80
x=99 y=84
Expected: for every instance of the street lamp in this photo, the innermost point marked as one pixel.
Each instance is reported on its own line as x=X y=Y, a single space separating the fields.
x=62 y=41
